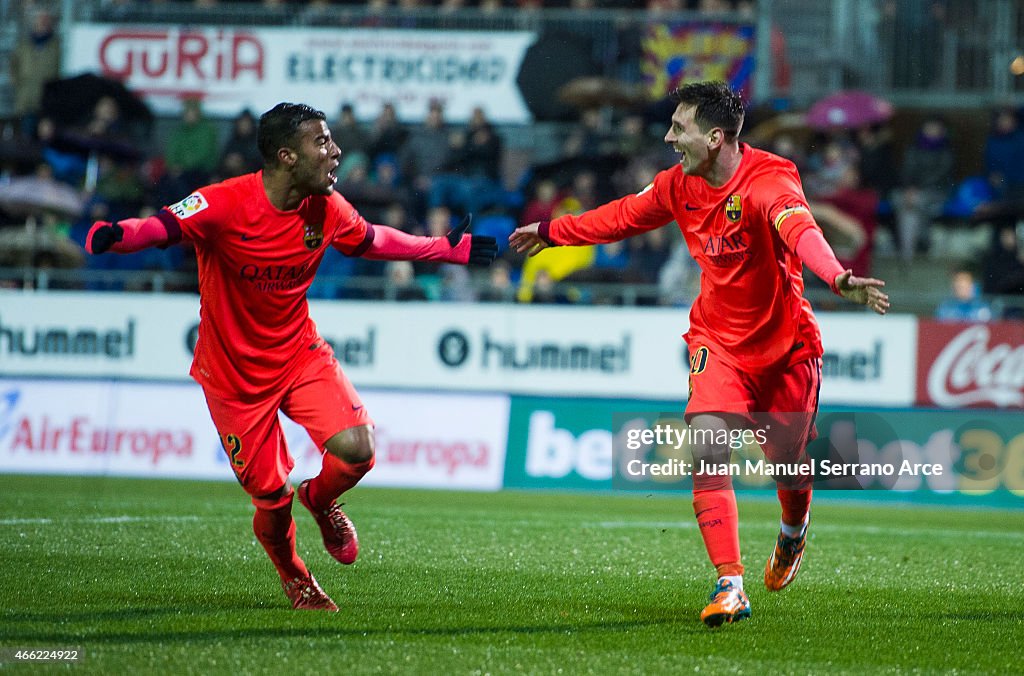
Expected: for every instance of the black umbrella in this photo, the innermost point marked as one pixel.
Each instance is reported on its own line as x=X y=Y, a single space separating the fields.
x=23 y=154
x=553 y=61
x=70 y=101
x=110 y=146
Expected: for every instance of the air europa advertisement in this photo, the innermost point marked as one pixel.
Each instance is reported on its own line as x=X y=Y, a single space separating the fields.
x=163 y=430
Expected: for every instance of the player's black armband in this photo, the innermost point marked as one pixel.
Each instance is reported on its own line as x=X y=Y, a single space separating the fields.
x=170 y=223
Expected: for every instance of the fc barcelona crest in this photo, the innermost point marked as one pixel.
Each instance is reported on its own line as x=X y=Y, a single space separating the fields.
x=734 y=208
x=314 y=236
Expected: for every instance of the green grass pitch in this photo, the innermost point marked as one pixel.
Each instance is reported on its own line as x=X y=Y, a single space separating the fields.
x=166 y=577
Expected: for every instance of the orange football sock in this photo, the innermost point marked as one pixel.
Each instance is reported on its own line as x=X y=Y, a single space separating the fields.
x=795 y=505
x=718 y=520
x=275 y=529
x=336 y=476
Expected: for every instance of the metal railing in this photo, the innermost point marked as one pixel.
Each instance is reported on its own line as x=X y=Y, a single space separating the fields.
x=331 y=287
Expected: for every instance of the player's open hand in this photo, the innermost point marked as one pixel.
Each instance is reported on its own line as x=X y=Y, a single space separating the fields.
x=527 y=240
x=482 y=249
x=863 y=290
x=103 y=235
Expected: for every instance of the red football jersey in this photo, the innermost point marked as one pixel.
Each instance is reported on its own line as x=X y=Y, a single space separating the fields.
x=743 y=236
x=255 y=265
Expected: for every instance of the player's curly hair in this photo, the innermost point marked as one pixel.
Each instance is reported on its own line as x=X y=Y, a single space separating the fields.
x=279 y=126
x=717 y=106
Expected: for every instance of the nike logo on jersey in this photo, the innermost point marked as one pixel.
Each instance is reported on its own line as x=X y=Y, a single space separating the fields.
x=690 y=207
x=246 y=238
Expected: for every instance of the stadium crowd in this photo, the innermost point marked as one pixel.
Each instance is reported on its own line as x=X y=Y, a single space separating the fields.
x=873 y=191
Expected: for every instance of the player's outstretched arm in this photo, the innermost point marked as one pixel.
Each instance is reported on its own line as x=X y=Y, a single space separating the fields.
x=527 y=239
x=128 y=235
x=816 y=254
x=390 y=244
x=863 y=290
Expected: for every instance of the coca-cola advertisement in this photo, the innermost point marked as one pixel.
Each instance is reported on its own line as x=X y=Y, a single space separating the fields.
x=963 y=365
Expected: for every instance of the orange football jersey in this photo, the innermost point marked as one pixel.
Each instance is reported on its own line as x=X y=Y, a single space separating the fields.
x=255 y=266
x=743 y=236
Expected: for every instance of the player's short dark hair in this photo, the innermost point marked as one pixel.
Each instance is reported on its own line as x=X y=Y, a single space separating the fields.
x=716 y=106
x=279 y=126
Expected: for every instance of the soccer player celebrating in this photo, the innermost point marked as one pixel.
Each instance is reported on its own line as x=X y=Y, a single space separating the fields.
x=259 y=239
x=754 y=343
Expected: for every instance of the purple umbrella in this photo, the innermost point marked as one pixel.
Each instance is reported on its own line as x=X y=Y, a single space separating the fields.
x=848 y=110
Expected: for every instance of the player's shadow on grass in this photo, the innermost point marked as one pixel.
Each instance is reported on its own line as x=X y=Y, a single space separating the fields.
x=90 y=615
x=984 y=616
x=682 y=622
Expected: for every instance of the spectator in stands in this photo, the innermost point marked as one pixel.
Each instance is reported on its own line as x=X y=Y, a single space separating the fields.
x=926 y=180
x=1003 y=264
x=67 y=166
x=877 y=159
x=34 y=62
x=541 y=206
x=590 y=138
x=540 y=272
x=877 y=167
x=633 y=140
x=655 y=7
x=582 y=194
x=471 y=181
x=714 y=7
x=106 y=120
x=192 y=147
x=853 y=242
x=965 y=304
x=827 y=167
x=120 y=188
x=648 y=254
x=450 y=6
x=490 y=6
x=439 y=221
x=456 y=285
x=349 y=133
x=500 y=288
x=397 y=216
x=785 y=145
x=402 y=284
x=545 y=290
x=240 y=154
x=360 y=187
x=425 y=153
x=1004 y=155
x=387 y=135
